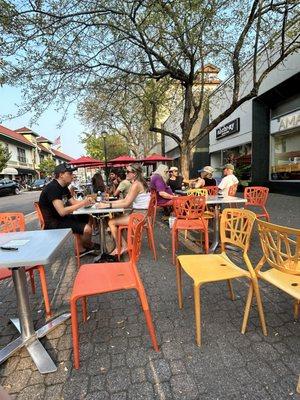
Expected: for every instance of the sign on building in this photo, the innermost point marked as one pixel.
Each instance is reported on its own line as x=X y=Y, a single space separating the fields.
x=228 y=129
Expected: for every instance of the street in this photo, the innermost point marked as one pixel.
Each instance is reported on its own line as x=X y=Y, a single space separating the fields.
x=20 y=203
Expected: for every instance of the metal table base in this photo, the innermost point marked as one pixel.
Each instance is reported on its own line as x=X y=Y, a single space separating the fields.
x=29 y=337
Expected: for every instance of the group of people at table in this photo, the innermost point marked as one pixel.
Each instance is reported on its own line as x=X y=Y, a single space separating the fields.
x=57 y=200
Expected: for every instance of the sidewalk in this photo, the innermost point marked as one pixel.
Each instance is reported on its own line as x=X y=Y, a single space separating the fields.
x=117 y=361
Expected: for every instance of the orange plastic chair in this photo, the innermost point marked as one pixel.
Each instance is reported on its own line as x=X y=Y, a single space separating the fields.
x=197 y=192
x=257 y=196
x=232 y=190
x=15 y=222
x=149 y=226
x=42 y=226
x=94 y=279
x=281 y=251
x=212 y=190
x=189 y=213
x=235 y=229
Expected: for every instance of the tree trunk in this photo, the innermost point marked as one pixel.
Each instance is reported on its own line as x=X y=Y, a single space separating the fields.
x=185 y=160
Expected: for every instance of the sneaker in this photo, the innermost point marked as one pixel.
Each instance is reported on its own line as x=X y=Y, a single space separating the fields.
x=86 y=252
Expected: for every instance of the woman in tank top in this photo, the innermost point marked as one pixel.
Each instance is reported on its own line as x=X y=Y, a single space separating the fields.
x=138 y=198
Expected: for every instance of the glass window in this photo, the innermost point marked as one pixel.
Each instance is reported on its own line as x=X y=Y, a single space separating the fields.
x=21 y=155
x=285 y=156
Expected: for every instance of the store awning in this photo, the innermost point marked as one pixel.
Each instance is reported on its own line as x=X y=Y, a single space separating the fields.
x=9 y=171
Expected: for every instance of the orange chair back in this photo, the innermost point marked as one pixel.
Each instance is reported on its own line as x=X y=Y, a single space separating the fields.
x=189 y=207
x=256 y=195
x=236 y=227
x=232 y=190
x=212 y=190
x=134 y=235
x=197 y=192
x=39 y=214
x=12 y=222
x=281 y=246
x=151 y=213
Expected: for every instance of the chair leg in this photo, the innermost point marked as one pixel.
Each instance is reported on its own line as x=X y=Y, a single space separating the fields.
x=197 y=314
x=75 y=334
x=119 y=243
x=151 y=240
x=179 y=283
x=43 y=280
x=260 y=308
x=84 y=309
x=247 y=307
x=185 y=234
x=148 y=317
x=77 y=252
x=296 y=309
x=231 y=292
x=206 y=241
x=174 y=233
x=32 y=282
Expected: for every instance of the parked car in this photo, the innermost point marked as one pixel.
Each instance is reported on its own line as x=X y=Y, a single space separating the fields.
x=8 y=186
x=38 y=184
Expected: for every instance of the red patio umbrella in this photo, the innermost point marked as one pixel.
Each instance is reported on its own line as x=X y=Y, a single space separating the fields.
x=86 y=161
x=122 y=160
x=155 y=158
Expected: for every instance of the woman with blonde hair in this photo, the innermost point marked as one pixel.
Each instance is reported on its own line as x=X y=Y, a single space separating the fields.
x=138 y=198
x=158 y=183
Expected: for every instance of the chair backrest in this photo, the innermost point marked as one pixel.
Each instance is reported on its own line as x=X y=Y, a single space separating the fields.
x=281 y=246
x=256 y=195
x=39 y=214
x=236 y=227
x=12 y=222
x=197 y=192
x=134 y=235
x=232 y=190
x=212 y=190
x=189 y=207
x=151 y=213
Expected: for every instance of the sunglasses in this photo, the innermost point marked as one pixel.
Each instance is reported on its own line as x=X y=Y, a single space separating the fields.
x=128 y=171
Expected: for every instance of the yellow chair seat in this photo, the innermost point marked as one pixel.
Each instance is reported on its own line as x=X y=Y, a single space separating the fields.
x=287 y=282
x=208 y=215
x=210 y=268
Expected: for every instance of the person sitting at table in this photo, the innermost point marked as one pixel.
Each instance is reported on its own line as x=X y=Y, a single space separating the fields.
x=228 y=180
x=113 y=181
x=175 y=180
x=57 y=205
x=138 y=198
x=98 y=184
x=158 y=183
x=123 y=188
x=205 y=178
x=75 y=187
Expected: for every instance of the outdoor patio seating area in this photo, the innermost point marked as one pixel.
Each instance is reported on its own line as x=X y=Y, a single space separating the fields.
x=117 y=360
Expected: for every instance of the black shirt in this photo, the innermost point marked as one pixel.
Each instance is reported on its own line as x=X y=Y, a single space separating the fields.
x=51 y=192
x=210 y=182
x=175 y=184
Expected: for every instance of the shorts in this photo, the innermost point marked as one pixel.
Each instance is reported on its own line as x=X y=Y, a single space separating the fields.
x=139 y=210
x=75 y=222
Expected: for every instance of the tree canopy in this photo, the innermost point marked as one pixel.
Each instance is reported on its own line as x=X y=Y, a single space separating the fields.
x=4 y=157
x=94 y=146
x=47 y=166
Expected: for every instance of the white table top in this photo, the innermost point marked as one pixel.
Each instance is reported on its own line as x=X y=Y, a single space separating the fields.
x=224 y=200
x=39 y=249
x=95 y=210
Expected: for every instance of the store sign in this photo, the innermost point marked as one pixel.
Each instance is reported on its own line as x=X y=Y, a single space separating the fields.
x=289 y=121
x=228 y=129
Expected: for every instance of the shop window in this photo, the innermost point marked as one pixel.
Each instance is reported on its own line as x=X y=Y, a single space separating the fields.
x=285 y=157
x=21 y=155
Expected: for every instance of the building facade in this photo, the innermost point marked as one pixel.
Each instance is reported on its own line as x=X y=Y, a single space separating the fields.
x=262 y=136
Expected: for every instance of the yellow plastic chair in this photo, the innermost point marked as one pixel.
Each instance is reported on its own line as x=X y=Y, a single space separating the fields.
x=197 y=192
x=281 y=250
x=236 y=227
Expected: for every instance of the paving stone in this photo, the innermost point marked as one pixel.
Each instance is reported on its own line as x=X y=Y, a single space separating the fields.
x=34 y=392
x=136 y=358
x=158 y=371
x=184 y=387
x=76 y=387
x=97 y=396
x=118 y=380
x=119 y=396
x=98 y=383
x=141 y=391
x=17 y=381
x=163 y=391
x=53 y=392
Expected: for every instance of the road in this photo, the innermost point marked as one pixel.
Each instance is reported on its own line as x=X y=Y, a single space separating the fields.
x=22 y=202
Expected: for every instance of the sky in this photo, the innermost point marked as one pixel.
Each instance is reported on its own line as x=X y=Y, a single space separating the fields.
x=46 y=126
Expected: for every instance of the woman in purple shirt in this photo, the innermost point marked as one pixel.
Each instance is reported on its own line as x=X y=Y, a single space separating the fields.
x=159 y=184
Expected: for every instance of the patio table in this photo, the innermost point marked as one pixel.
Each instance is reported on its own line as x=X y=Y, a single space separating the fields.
x=32 y=248
x=100 y=214
x=217 y=201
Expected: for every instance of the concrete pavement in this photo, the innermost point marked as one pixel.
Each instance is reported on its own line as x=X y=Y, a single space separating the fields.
x=117 y=361
x=21 y=203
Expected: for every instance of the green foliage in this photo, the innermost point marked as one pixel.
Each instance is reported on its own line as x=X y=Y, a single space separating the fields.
x=47 y=166
x=94 y=146
x=4 y=156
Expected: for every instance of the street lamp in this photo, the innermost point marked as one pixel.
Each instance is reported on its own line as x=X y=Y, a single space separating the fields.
x=104 y=136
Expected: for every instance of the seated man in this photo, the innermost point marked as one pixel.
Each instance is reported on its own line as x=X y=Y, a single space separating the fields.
x=228 y=180
x=57 y=205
